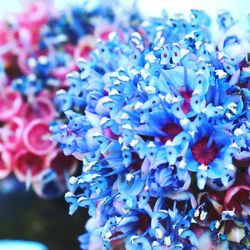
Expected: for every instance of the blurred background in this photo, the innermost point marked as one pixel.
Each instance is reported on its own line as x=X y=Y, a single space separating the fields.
x=25 y=216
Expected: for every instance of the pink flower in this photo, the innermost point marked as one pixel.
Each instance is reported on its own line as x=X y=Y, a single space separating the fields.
x=11 y=134
x=10 y=104
x=36 y=137
x=5 y=162
x=40 y=108
x=27 y=163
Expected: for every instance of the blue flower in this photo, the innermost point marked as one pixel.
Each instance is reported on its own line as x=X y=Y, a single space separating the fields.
x=158 y=124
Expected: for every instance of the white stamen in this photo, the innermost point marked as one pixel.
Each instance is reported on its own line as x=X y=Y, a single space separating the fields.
x=43 y=59
x=180 y=231
x=193 y=220
x=168 y=143
x=32 y=62
x=228 y=115
x=168 y=98
x=196 y=92
x=129 y=177
x=73 y=180
x=104 y=120
x=107 y=235
x=151 y=145
x=202 y=167
x=184 y=122
x=198 y=44
x=150 y=89
x=150 y=58
x=144 y=74
x=175 y=99
x=167 y=241
x=220 y=73
x=124 y=147
x=120 y=140
x=155 y=243
x=133 y=238
x=182 y=164
x=138 y=105
x=113 y=92
x=203 y=215
x=134 y=142
x=159 y=233
x=127 y=126
x=117 y=82
x=231 y=167
x=196 y=213
x=124 y=116
x=217 y=224
x=118 y=219
x=31 y=77
x=238 y=132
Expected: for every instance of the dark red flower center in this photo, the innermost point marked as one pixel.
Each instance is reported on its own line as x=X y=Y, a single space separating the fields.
x=204 y=153
x=235 y=203
x=62 y=163
x=172 y=129
x=186 y=104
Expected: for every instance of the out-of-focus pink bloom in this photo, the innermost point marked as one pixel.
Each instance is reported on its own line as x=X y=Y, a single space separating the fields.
x=103 y=32
x=61 y=72
x=36 y=137
x=41 y=108
x=28 y=165
x=31 y=20
x=11 y=134
x=5 y=162
x=60 y=163
x=10 y=104
x=84 y=47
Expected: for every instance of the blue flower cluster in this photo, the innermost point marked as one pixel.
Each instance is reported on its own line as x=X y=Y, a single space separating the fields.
x=162 y=126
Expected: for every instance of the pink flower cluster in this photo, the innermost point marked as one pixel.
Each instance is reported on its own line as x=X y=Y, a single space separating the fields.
x=27 y=39
x=26 y=148
x=25 y=145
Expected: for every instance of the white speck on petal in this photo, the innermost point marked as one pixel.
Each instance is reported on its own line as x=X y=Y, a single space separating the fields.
x=104 y=120
x=151 y=145
x=129 y=177
x=134 y=142
x=168 y=98
x=107 y=235
x=150 y=89
x=127 y=126
x=73 y=180
x=124 y=116
x=231 y=167
x=202 y=167
x=180 y=231
x=203 y=215
x=220 y=73
x=167 y=241
x=159 y=233
x=238 y=132
x=138 y=105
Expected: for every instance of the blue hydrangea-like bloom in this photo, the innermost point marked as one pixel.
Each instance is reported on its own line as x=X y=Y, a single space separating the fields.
x=159 y=128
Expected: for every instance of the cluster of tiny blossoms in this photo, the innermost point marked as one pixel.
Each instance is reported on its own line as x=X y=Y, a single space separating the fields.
x=161 y=124
x=38 y=47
